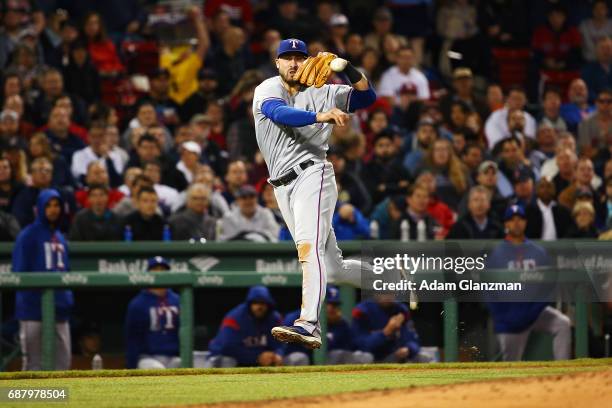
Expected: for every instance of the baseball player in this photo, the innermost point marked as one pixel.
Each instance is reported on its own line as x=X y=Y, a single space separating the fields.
x=294 y=115
x=152 y=324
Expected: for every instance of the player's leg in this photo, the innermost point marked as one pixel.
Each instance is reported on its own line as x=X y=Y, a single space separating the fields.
x=553 y=321
x=314 y=199
x=30 y=341
x=512 y=345
x=342 y=271
x=63 y=346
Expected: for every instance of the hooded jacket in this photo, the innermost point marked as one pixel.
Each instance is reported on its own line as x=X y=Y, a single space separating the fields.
x=151 y=326
x=244 y=337
x=41 y=248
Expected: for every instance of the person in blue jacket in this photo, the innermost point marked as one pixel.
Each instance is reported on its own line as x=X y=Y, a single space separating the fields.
x=340 y=347
x=349 y=223
x=384 y=328
x=152 y=325
x=41 y=247
x=514 y=321
x=244 y=337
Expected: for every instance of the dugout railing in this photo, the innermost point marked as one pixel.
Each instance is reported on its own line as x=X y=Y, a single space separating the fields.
x=228 y=265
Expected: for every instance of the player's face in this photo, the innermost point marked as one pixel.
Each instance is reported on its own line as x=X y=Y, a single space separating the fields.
x=53 y=210
x=259 y=309
x=515 y=226
x=288 y=64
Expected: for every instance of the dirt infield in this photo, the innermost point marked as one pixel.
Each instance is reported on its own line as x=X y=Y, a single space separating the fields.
x=590 y=389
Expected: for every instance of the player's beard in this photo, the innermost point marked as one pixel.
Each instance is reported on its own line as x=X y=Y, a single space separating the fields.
x=288 y=78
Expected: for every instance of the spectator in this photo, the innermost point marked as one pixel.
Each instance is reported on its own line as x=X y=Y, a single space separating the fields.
x=385 y=329
x=354 y=48
x=585 y=175
x=438 y=210
x=166 y=108
x=24 y=205
x=183 y=62
x=496 y=126
x=463 y=90
x=152 y=325
x=349 y=223
x=424 y=136
x=291 y=22
x=148 y=149
x=248 y=220
x=9 y=188
x=472 y=156
x=383 y=25
x=350 y=188
x=505 y=23
x=96 y=222
x=384 y=174
x=407 y=111
x=522 y=182
x=81 y=75
x=593 y=131
x=240 y=11
x=556 y=44
x=415 y=212
x=98 y=150
x=145 y=118
x=144 y=223
x=546 y=220
x=18 y=161
x=451 y=177
x=597 y=74
x=403 y=72
x=229 y=61
x=63 y=101
x=551 y=105
x=97 y=174
x=207 y=91
x=340 y=348
x=378 y=122
x=477 y=223
x=578 y=107
x=194 y=222
x=244 y=337
x=456 y=24
x=188 y=165
x=495 y=97
x=512 y=158
x=63 y=141
x=235 y=178
x=41 y=247
x=52 y=86
x=211 y=152
x=546 y=143
x=218 y=205
x=169 y=198
x=338 y=30
x=134 y=181
x=101 y=49
x=608 y=203
x=566 y=161
x=549 y=168
x=515 y=320
x=584 y=222
x=595 y=28
x=487 y=177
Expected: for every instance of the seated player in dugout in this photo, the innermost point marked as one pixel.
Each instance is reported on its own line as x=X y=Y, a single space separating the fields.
x=152 y=324
x=244 y=338
x=294 y=115
x=384 y=328
x=340 y=346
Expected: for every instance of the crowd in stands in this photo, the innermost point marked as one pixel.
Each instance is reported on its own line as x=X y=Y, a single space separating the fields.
x=147 y=137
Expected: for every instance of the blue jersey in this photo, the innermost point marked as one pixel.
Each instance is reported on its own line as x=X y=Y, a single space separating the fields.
x=514 y=317
x=370 y=318
x=151 y=326
x=41 y=248
x=244 y=337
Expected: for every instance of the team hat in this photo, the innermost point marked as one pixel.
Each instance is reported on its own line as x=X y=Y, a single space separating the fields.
x=514 y=210
x=291 y=45
x=333 y=295
x=157 y=261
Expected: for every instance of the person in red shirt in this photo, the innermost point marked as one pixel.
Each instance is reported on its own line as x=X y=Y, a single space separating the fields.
x=438 y=210
x=102 y=51
x=557 y=45
x=97 y=174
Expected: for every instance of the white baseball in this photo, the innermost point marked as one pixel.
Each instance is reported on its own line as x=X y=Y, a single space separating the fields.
x=338 y=64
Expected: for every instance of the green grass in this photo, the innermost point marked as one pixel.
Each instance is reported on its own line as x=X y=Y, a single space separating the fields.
x=138 y=388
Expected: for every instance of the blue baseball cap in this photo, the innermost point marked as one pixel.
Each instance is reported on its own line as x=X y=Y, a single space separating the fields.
x=514 y=210
x=333 y=295
x=157 y=261
x=291 y=45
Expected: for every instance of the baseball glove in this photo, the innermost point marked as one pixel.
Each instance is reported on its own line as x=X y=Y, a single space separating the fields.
x=315 y=70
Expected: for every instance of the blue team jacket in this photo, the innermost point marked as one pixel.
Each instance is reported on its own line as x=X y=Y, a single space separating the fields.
x=244 y=337
x=39 y=248
x=151 y=326
x=514 y=317
x=369 y=318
